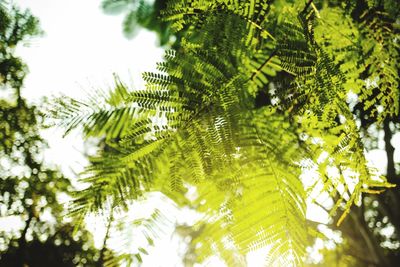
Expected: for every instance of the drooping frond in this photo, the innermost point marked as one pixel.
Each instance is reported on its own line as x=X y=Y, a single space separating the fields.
x=382 y=63
x=368 y=54
x=98 y=113
x=262 y=204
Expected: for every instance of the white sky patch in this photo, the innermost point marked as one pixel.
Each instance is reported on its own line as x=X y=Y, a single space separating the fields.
x=81 y=49
x=378 y=159
x=257 y=257
x=396 y=144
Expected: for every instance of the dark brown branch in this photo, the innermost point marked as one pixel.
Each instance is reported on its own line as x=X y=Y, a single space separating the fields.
x=20 y=254
x=100 y=263
x=307 y=6
x=263 y=65
x=391 y=170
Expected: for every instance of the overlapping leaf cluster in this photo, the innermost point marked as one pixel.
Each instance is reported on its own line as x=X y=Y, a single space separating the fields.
x=252 y=93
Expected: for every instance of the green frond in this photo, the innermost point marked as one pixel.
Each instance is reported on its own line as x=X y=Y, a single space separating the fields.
x=103 y=114
x=197 y=123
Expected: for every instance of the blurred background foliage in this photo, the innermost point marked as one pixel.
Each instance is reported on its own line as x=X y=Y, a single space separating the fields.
x=32 y=194
x=140 y=14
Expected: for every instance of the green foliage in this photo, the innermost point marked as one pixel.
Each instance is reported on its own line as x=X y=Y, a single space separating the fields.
x=369 y=53
x=140 y=13
x=254 y=95
x=16 y=27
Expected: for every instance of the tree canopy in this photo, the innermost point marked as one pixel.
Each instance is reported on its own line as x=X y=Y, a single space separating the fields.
x=262 y=112
x=31 y=191
x=264 y=107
